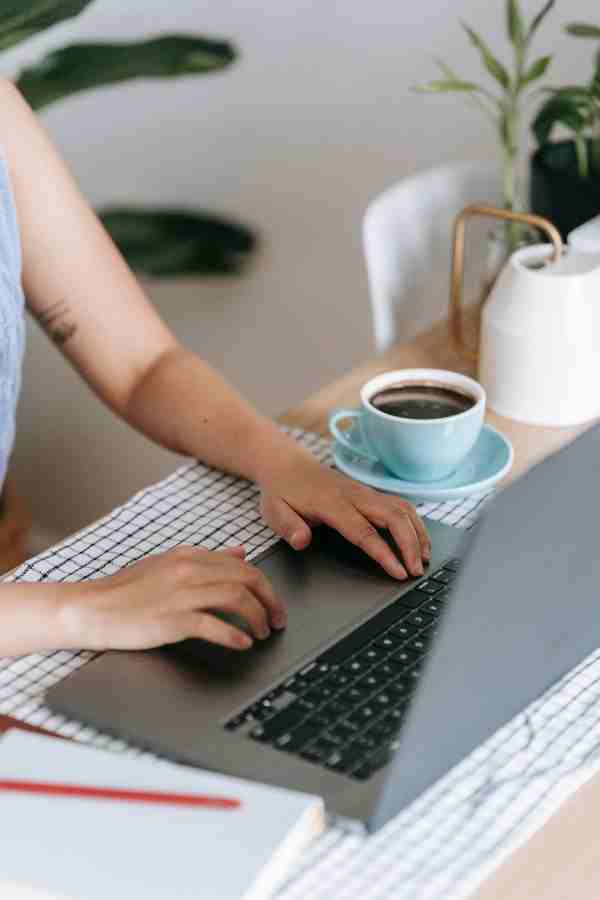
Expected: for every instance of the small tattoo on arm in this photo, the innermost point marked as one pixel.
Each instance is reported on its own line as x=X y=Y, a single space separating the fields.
x=57 y=323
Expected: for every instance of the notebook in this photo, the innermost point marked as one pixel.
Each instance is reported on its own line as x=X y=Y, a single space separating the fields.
x=86 y=849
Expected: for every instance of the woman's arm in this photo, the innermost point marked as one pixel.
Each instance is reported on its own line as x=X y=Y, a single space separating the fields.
x=83 y=294
x=160 y=600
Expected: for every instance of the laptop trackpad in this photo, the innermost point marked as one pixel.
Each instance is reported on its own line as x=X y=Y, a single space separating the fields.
x=326 y=589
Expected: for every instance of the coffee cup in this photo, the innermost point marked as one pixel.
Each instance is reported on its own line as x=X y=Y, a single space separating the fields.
x=420 y=423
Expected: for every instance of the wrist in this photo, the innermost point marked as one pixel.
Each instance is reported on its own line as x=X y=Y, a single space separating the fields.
x=271 y=450
x=74 y=618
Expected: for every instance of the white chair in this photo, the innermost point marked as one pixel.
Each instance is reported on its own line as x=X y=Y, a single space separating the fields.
x=407 y=236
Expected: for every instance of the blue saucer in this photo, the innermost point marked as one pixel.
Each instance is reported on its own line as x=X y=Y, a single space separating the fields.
x=488 y=462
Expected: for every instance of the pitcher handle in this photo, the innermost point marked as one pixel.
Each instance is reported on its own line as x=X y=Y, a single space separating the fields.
x=458 y=261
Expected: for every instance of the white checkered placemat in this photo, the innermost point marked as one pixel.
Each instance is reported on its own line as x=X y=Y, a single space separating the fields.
x=443 y=844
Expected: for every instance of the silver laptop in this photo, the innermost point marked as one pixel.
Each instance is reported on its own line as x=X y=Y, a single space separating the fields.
x=377 y=688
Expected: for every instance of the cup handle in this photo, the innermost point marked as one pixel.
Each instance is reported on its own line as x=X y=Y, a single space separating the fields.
x=355 y=444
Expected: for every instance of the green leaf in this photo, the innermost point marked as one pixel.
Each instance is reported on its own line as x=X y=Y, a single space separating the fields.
x=514 y=24
x=559 y=109
x=536 y=70
x=595 y=82
x=537 y=21
x=578 y=29
x=175 y=242
x=493 y=65
x=20 y=20
x=83 y=66
x=445 y=86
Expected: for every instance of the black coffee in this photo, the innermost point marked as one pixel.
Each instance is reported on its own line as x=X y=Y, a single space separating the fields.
x=422 y=401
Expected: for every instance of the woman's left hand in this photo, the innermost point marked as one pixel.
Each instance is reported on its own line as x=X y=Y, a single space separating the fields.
x=299 y=492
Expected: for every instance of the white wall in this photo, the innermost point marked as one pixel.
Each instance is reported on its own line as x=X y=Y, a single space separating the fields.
x=296 y=138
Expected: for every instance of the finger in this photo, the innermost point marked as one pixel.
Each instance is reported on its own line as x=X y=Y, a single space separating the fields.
x=394 y=516
x=209 y=628
x=257 y=582
x=286 y=522
x=237 y=552
x=209 y=568
x=235 y=598
x=357 y=529
x=405 y=535
x=419 y=526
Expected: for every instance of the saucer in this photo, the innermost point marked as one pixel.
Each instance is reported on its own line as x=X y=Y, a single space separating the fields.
x=487 y=463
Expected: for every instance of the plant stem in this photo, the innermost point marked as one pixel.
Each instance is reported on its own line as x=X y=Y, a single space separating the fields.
x=583 y=165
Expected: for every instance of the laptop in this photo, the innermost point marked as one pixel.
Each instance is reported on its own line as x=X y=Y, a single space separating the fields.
x=377 y=688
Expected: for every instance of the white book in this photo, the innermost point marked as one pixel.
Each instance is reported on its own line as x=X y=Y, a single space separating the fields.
x=87 y=849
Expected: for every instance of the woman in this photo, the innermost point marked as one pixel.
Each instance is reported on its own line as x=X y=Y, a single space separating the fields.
x=81 y=292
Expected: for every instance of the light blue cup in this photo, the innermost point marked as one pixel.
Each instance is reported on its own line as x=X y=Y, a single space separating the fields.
x=413 y=449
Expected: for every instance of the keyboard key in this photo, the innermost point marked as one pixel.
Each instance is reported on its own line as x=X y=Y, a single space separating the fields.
x=366 y=633
x=414 y=672
x=388 y=669
x=444 y=576
x=313 y=673
x=355 y=667
x=334 y=710
x=314 y=696
x=382 y=730
x=429 y=587
x=419 y=644
x=374 y=680
x=382 y=700
x=337 y=680
x=453 y=564
x=365 y=742
x=279 y=724
x=343 y=730
x=402 y=687
x=412 y=599
x=325 y=745
x=362 y=715
x=404 y=630
x=372 y=655
x=405 y=657
x=312 y=755
x=432 y=608
x=356 y=694
x=298 y=737
x=318 y=718
x=388 y=642
x=420 y=619
x=363 y=771
x=343 y=759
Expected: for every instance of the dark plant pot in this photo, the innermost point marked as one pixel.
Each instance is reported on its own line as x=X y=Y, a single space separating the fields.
x=558 y=192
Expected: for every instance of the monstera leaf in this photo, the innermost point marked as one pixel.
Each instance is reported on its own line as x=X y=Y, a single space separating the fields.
x=80 y=67
x=20 y=20
x=172 y=242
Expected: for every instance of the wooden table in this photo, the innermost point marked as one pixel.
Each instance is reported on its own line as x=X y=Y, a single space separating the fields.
x=561 y=861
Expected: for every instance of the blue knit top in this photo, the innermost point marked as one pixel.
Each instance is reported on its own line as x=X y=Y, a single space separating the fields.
x=12 y=323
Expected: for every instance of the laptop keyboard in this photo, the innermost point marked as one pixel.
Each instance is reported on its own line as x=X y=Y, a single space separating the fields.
x=344 y=710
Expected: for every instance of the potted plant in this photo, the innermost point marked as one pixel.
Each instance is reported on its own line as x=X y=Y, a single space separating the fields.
x=565 y=174
x=155 y=241
x=503 y=106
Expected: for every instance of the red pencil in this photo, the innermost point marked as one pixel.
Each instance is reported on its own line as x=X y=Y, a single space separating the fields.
x=118 y=794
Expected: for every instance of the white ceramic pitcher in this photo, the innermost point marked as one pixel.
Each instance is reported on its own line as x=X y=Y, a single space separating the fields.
x=539 y=353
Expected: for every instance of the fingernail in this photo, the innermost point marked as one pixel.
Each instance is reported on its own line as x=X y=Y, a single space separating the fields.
x=246 y=641
x=265 y=634
x=279 y=620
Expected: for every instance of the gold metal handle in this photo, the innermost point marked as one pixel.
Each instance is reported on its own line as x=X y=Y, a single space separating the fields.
x=458 y=261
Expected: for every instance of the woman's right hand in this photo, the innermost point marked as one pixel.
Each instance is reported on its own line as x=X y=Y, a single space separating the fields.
x=170 y=597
